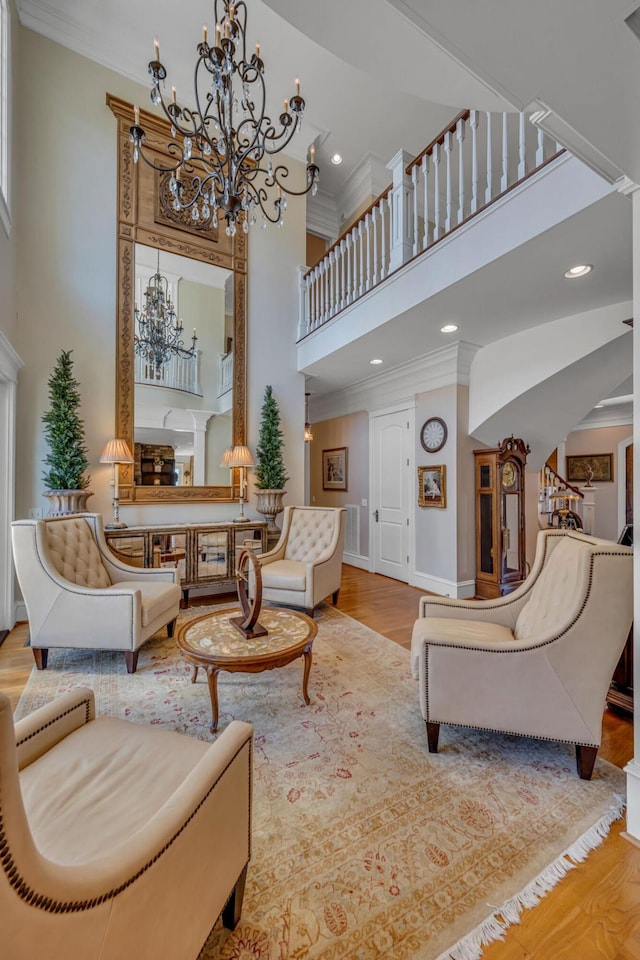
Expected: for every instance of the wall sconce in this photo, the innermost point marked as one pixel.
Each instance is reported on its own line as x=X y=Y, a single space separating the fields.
x=116 y=452
x=308 y=436
x=241 y=457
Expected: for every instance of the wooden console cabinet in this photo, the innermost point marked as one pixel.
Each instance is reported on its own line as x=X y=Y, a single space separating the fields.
x=204 y=553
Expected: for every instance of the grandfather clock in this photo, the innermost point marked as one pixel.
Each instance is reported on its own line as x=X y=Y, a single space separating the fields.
x=500 y=534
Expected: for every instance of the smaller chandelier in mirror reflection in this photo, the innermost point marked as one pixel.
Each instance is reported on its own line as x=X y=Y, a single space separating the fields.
x=158 y=335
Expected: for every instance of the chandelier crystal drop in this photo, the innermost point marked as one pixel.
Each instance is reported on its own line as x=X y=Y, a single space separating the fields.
x=158 y=333
x=221 y=148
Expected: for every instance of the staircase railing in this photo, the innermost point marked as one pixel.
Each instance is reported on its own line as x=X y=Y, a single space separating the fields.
x=475 y=160
x=549 y=482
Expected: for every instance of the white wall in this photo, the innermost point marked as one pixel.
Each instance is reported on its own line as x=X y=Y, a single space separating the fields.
x=66 y=213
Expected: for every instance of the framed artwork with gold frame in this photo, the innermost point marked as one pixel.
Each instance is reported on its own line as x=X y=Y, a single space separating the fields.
x=580 y=466
x=432 y=490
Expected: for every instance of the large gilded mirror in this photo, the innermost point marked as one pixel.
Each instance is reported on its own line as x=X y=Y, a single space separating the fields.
x=178 y=416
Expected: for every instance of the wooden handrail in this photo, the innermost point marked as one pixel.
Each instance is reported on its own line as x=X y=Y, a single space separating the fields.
x=463 y=115
x=564 y=483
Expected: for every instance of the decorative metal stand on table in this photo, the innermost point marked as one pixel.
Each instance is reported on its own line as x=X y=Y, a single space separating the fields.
x=235 y=641
x=204 y=553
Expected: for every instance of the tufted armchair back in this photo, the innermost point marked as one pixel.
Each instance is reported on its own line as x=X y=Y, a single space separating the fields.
x=75 y=554
x=311 y=533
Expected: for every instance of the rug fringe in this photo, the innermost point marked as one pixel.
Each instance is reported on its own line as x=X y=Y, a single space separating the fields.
x=495 y=926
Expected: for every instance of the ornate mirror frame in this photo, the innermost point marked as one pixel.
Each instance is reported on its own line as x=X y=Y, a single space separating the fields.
x=145 y=217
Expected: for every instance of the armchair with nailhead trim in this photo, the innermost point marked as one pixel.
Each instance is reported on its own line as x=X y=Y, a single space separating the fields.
x=537 y=662
x=118 y=841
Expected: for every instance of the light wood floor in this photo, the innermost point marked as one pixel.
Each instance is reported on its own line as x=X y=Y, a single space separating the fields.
x=593 y=914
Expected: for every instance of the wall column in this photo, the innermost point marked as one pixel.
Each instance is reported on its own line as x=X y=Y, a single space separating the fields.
x=10 y=364
x=632 y=769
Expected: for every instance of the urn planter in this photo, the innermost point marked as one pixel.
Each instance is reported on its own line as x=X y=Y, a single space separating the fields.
x=62 y=502
x=269 y=503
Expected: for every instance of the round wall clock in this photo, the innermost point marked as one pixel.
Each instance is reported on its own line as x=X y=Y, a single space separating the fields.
x=433 y=435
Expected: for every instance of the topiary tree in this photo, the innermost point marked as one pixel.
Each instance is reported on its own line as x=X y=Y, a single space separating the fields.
x=270 y=473
x=64 y=431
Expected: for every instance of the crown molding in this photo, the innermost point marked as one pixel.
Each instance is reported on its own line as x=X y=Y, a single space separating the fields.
x=322 y=215
x=556 y=127
x=441 y=368
x=365 y=181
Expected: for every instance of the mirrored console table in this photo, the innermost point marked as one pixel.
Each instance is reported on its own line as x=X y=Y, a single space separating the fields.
x=204 y=553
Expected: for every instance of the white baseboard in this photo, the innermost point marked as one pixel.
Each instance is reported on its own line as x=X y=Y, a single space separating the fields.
x=632 y=771
x=19 y=611
x=355 y=560
x=462 y=590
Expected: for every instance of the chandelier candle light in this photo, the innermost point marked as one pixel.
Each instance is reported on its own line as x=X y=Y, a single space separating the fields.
x=221 y=147
x=116 y=452
x=158 y=334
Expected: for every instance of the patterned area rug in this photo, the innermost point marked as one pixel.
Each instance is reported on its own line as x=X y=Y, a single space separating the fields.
x=365 y=846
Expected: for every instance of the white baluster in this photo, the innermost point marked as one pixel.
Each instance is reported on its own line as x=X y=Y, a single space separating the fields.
x=383 y=237
x=348 y=296
x=343 y=273
x=488 y=193
x=314 y=298
x=522 y=160
x=448 y=142
x=559 y=147
x=321 y=317
x=331 y=296
x=361 y=245
x=504 y=180
x=367 y=226
x=374 y=219
x=415 y=171
x=425 y=182
x=436 y=191
x=540 y=148
x=473 y=123
x=460 y=139
x=391 y=228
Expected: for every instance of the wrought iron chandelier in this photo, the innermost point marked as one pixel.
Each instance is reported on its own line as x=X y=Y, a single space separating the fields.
x=222 y=147
x=158 y=334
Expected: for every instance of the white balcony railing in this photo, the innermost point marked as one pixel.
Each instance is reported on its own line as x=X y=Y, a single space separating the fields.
x=176 y=374
x=226 y=373
x=473 y=162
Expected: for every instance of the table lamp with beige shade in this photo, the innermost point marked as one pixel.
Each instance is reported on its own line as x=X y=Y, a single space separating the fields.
x=116 y=452
x=241 y=457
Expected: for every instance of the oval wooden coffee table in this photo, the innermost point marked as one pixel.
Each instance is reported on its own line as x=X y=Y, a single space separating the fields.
x=214 y=643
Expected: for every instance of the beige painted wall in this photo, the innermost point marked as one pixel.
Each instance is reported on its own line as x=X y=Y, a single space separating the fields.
x=8 y=319
x=602 y=440
x=351 y=431
x=66 y=220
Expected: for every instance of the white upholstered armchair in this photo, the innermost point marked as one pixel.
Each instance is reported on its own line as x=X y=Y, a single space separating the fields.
x=118 y=840
x=537 y=662
x=305 y=566
x=79 y=594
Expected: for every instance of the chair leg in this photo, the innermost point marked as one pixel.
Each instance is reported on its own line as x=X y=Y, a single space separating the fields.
x=335 y=596
x=131 y=659
x=233 y=909
x=585 y=760
x=433 y=732
x=41 y=655
x=171 y=626
x=309 y=612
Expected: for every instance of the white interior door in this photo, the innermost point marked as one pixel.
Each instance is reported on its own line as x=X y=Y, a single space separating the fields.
x=390 y=472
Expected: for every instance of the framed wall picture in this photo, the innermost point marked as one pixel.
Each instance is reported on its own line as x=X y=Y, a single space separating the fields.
x=432 y=490
x=334 y=469
x=580 y=467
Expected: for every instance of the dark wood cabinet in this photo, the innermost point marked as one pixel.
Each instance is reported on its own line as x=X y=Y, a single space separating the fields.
x=500 y=529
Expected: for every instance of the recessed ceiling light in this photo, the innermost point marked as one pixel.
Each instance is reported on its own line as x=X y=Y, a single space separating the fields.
x=336 y=159
x=599 y=406
x=375 y=361
x=579 y=271
x=449 y=328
